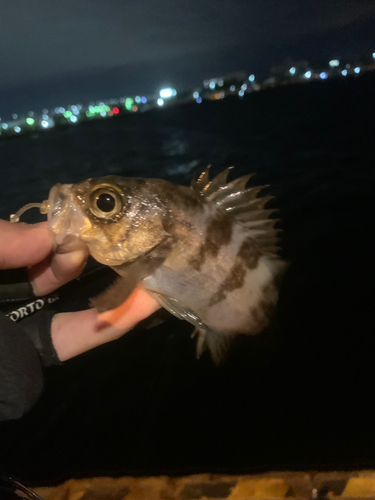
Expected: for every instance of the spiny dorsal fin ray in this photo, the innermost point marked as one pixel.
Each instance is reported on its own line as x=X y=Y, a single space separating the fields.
x=218 y=182
x=246 y=203
x=241 y=203
x=203 y=181
x=230 y=191
x=256 y=215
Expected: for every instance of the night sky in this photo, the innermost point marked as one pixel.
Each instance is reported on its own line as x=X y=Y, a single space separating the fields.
x=55 y=53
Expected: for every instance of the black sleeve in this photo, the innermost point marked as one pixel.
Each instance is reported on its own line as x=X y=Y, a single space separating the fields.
x=25 y=332
x=16 y=295
x=24 y=346
x=21 y=379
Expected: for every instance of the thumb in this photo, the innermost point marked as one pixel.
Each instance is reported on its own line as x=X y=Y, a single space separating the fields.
x=23 y=245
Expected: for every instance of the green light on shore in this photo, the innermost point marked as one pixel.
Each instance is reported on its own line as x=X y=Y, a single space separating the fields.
x=30 y=121
x=129 y=103
x=68 y=114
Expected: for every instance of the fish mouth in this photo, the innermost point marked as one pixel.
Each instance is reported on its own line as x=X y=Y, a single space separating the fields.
x=65 y=218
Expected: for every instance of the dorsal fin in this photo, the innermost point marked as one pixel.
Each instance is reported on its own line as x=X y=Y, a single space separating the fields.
x=242 y=204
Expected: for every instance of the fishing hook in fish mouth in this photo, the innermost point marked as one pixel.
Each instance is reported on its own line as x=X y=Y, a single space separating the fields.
x=43 y=208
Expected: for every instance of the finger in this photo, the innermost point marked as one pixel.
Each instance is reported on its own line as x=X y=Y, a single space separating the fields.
x=78 y=332
x=136 y=308
x=23 y=244
x=57 y=270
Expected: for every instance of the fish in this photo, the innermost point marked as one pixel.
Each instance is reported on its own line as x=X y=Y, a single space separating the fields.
x=208 y=252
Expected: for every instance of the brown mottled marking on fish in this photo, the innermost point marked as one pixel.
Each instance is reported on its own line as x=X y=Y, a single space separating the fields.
x=140 y=181
x=248 y=256
x=234 y=280
x=219 y=233
x=249 y=253
x=260 y=313
x=182 y=197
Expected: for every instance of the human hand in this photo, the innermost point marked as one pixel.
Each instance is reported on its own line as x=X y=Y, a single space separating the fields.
x=72 y=333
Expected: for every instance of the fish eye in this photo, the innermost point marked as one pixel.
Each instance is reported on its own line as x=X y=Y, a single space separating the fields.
x=105 y=202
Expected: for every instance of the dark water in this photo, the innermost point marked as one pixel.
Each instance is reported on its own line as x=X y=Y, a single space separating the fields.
x=300 y=396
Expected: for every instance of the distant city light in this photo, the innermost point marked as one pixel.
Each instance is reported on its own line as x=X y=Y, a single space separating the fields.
x=101 y=107
x=129 y=103
x=334 y=63
x=167 y=93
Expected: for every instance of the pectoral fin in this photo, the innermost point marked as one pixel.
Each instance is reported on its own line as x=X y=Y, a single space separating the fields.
x=131 y=274
x=177 y=309
x=114 y=295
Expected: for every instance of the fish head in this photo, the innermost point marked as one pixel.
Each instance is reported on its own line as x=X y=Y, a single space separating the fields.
x=119 y=219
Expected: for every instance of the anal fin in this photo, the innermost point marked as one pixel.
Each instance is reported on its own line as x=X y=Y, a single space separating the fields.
x=217 y=343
